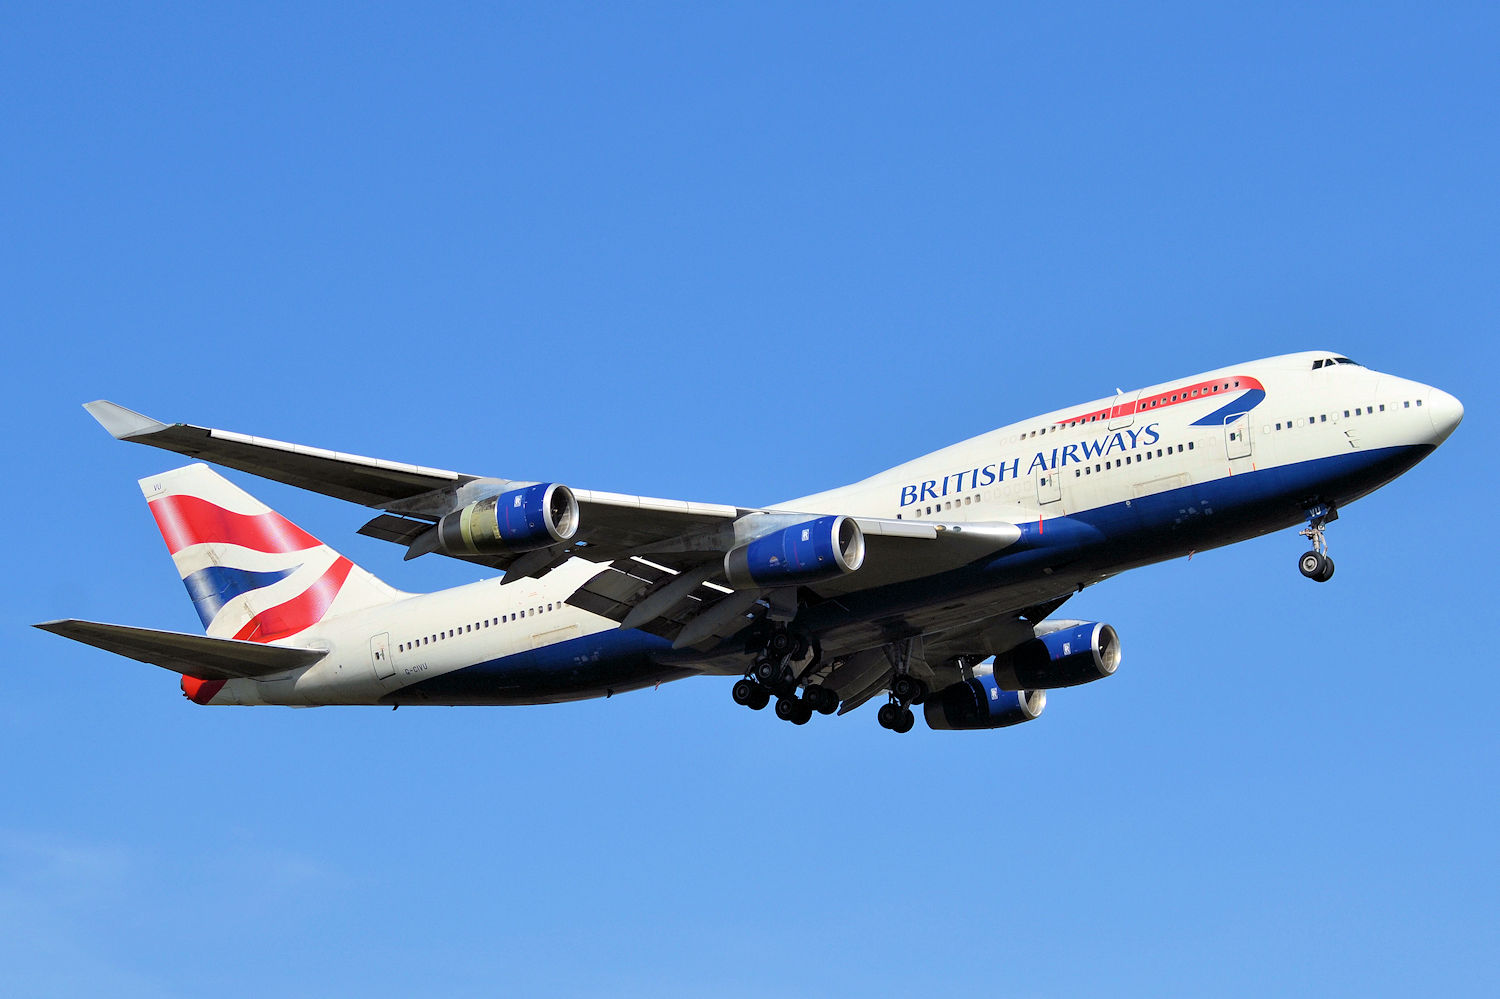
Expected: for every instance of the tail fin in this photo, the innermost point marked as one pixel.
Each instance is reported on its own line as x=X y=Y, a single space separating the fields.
x=252 y=574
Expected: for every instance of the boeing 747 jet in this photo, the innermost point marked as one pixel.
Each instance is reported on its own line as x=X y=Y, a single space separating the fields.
x=931 y=584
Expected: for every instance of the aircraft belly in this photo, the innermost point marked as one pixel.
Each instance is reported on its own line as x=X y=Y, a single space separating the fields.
x=597 y=665
x=1059 y=555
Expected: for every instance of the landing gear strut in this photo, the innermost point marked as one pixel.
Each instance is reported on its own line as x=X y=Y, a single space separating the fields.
x=1316 y=565
x=906 y=690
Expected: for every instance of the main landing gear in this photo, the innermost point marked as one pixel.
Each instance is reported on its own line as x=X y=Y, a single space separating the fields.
x=1316 y=565
x=906 y=690
x=776 y=671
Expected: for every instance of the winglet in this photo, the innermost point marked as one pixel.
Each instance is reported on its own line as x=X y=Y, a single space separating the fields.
x=122 y=423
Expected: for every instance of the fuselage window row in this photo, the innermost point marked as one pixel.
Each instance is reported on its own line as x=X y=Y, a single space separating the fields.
x=468 y=628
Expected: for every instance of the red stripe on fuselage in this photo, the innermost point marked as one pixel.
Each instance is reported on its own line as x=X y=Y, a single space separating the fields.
x=1212 y=388
x=302 y=611
x=187 y=520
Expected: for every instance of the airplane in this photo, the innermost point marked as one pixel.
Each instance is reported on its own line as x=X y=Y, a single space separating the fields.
x=933 y=583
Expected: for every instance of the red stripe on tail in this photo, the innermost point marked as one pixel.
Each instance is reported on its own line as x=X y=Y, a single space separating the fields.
x=302 y=611
x=187 y=520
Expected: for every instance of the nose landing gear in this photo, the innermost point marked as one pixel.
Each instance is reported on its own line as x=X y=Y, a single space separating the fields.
x=1316 y=565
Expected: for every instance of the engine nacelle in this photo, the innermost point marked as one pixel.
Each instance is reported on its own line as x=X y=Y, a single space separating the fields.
x=522 y=520
x=980 y=703
x=1078 y=652
x=820 y=549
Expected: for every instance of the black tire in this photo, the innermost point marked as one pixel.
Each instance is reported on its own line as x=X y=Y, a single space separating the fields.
x=766 y=670
x=804 y=713
x=921 y=694
x=904 y=687
x=1311 y=564
x=1327 y=572
x=779 y=643
x=889 y=716
x=760 y=699
x=744 y=692
x=905 y=721
x=824 y=701
x=786 y=708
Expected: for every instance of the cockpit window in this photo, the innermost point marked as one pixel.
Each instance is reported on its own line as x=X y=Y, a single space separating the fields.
x=1345 y=360
x=1330 y=361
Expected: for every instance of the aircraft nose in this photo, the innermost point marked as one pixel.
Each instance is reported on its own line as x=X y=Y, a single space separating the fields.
x=1446 y=412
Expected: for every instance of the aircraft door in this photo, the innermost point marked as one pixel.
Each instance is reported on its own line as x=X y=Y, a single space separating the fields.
x=1239 y=437
x=380 y=656
x=1122 y=410
x=1049 y=487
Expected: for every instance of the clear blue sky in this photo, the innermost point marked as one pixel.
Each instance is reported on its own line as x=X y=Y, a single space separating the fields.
x=741 y=254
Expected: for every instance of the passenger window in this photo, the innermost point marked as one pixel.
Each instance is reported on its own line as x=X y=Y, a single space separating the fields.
x=1419 y=402
x=1278 y=427
x=1190 y=446
x=1346 y=414
x=1407 y=404
x=1323 y=418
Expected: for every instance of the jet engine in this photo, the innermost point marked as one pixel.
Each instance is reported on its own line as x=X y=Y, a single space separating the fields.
x=820 y=549
x=980 y=703
x=522 y=520
x=1077 y=652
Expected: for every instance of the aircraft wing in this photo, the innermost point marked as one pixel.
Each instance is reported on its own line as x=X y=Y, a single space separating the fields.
x=665 y=556
x=368 y=481
x=416 y=497
x=191 y=655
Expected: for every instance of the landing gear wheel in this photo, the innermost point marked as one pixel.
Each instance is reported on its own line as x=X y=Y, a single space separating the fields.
x=804 y=713
x=904 y=721
x=908 y=689
x=822 y=700
x=889 y=715
x=744 y=692
x=787 y=708
x=1316 y=566
x=766 y=670
x=780 y=642
x=761 y=699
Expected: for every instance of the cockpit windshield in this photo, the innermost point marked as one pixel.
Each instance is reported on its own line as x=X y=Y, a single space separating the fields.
x=1322 y=361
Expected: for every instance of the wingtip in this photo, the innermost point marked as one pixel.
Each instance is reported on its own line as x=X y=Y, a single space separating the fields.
x=122 y=423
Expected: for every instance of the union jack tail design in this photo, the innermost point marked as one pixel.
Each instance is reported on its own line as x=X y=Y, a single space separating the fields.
x=252 y=574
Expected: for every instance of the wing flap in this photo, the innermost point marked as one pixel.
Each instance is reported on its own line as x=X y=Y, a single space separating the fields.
x=191 y=655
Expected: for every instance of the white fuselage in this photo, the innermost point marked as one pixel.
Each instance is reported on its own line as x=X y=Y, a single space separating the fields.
x=1096 y=459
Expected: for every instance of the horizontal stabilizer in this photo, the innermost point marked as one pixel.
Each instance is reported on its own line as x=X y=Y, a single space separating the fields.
x=191 y=655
